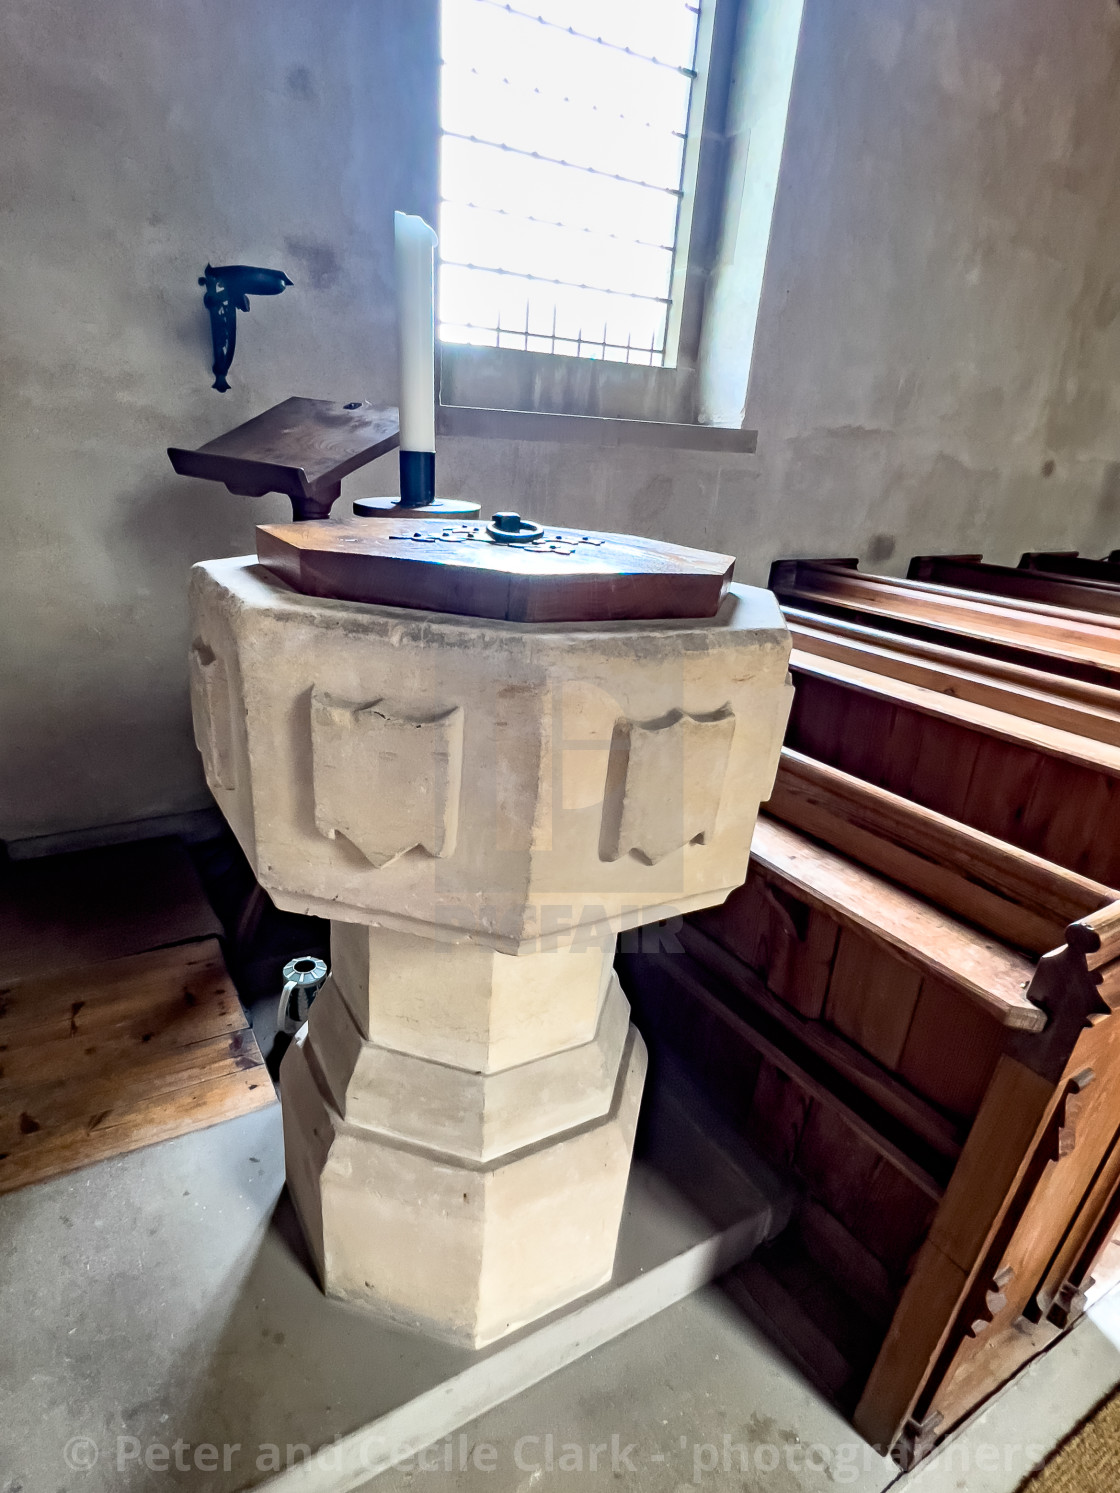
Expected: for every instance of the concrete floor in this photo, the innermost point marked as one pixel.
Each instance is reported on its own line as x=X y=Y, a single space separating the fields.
x=154 y=1298
x=688 y=1391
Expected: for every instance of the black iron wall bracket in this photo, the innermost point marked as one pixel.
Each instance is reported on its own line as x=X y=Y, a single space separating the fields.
x=228 y=288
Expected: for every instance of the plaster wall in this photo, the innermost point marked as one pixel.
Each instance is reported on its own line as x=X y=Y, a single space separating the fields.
x=937 y=364
x=138 y=139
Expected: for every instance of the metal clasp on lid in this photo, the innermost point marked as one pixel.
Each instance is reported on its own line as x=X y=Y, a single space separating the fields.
x=511 y=528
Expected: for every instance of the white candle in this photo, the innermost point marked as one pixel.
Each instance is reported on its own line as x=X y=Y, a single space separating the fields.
x=415 y=255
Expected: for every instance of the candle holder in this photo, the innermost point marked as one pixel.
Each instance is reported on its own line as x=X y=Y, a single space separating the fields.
x=418 y=478
x=418 y=494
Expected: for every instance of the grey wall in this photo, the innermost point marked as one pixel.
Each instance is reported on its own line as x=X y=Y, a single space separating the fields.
x=937 y=366
x=138 y=139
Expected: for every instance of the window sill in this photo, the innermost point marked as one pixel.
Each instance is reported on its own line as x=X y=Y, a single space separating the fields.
x=589 y=430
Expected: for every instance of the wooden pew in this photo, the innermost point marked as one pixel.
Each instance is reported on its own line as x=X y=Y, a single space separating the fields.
x=1021 y=898
x=1053 y=701
x=920 y=1071
x=1051 y=639
x=970 y=573
x=1047 y=791
x=1070 y=563
x=913 y=1003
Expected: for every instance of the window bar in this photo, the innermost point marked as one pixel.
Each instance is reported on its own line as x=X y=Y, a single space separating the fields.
x=504 y=212
x=500 y=79
x=493 y=269
x=472 y=326
x=535 y=155
x=690 y=155
x=613 y=46
x=657 y=349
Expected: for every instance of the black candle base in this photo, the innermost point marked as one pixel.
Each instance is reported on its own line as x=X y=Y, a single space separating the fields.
x=444 y=509
x=418 y=478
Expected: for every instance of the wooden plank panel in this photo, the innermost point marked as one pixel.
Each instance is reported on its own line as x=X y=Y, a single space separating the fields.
x=901 y=746
x=1103 y=852
x=1068 y=705
x=787 y=942
x=998 y=1151
x=779 y=916
x=192 y=1108
x=669 y=971
x=775 y=1310
x=778 y=1112
x=1093 y=1223
x=739 y=922
x=1079 y=593
x=70 y=911
x=851 y=1264
x=817 y=717
x=97 y=1094
x=943 y=771
x=99 y=1061
x=836 y=1163
x=998 y=1147
x=951 y=1049
x=163 y=1026
x=871 y=997
x=1017 y=896
x=1003 y=778
x=842 y=1320
x=1065 y=813
x=988 y=618
x=103 y=996
x=859 y=749
x=894 y=1219
x=959 y=711
x=923 y=936
x=754 y=1000
x=917 y=1329
x=1090 y=1122
x=729 y=1068
x=811 y=968
x=993 y=1360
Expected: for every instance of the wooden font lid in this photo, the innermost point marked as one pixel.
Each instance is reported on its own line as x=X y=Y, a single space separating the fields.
x=497 y=570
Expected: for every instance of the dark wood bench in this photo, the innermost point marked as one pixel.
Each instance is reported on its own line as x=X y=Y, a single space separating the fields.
x=910 y=1005
x=1047 y=588
x=1046 y=791
x=1055 y=640
x=1034 y=694
x=1069 y=562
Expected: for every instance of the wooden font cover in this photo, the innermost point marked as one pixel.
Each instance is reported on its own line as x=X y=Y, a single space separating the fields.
x=566 y=575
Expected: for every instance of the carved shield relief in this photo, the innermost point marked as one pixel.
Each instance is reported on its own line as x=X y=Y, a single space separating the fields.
x=386 y=779
x=664 y=784
x=210 y=707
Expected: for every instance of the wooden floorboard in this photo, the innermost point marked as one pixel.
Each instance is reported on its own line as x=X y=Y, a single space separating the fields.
x=71 y=911
x=119 y=1055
